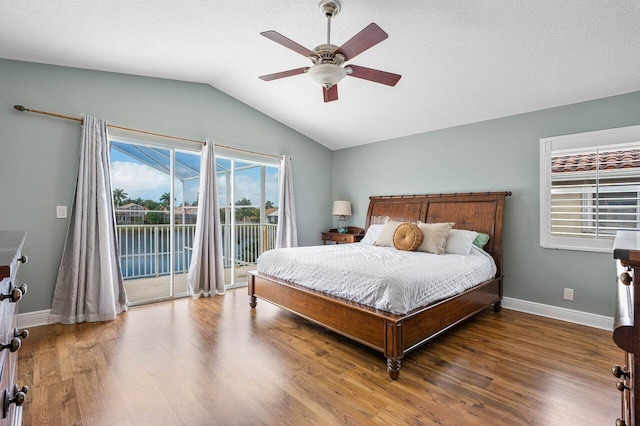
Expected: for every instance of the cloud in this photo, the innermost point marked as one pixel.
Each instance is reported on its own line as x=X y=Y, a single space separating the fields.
x=248 y=186
x=139 y=180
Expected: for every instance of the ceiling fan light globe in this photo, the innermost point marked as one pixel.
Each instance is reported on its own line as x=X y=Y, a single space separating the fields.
x=327 y=75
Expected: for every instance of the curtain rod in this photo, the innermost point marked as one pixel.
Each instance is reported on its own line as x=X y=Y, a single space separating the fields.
x=69 y=117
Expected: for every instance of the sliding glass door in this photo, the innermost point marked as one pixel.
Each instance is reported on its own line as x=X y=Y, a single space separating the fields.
x=248 y=194
x=155 y=195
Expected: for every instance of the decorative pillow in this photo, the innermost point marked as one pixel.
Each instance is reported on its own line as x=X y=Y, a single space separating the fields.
x=460 y=241
x=434 y=236
x=372 y=234
x=407 y=237
x=481 y=240
x=385 y=239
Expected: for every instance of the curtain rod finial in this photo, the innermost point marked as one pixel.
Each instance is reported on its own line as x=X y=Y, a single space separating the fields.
x=20 y=108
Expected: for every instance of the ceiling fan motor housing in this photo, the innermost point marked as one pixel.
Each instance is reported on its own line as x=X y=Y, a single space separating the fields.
x=324 y=54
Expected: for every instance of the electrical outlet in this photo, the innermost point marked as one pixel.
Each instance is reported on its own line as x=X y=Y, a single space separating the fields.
x=568 y=294
x=61 y=212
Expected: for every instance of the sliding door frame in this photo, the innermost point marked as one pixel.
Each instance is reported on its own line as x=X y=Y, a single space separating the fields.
x=191 y=148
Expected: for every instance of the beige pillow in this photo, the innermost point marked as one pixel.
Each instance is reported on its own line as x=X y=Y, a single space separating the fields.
x=385 y=238
x=434 y=236
x=407 y=237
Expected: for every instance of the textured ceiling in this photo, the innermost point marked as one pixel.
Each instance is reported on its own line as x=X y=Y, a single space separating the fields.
x=461 y=61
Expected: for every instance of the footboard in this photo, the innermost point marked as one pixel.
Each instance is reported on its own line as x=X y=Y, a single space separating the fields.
x=358 y=322
x=393 y=335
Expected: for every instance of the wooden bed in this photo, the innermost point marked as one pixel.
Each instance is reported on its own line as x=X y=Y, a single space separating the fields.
x=395 y=335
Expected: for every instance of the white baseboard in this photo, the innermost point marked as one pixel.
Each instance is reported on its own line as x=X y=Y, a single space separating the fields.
x=34 y=319
x=555 y=312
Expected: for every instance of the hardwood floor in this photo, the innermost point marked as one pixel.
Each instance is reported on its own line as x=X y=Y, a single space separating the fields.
x=215 y=361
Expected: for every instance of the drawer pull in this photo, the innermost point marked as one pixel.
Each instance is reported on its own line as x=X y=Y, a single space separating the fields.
x=620 y=422
x=23 y=259
x=19 y=395
x=14 y=295
x=626 y=278
x=621 y=386
x=618 y=371
x=25 y=333
x=14 y=345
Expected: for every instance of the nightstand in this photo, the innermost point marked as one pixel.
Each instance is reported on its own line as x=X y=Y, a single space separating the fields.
x=353 y=235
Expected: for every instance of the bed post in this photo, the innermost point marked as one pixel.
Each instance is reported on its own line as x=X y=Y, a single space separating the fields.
x=253 y=301
x=393 y=366
x=393 y=348
x=498 y=248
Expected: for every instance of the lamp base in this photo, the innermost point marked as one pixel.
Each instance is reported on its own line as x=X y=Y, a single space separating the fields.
x=342 y=225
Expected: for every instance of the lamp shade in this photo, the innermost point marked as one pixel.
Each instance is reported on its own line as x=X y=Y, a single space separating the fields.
x=342 y=208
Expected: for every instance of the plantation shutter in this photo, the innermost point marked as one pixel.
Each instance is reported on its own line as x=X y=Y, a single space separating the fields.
x=589 y=188
x=595 y=193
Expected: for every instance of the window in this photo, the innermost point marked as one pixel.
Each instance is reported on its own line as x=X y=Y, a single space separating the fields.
x=589 y=189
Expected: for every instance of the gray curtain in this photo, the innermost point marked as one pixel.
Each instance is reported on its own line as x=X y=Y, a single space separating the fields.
x=89 y=286
x=206 y=270
x=286 y=232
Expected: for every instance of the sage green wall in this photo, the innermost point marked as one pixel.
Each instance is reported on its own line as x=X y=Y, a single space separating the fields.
x=496 y=155
x=38 y=162
x=39 y=155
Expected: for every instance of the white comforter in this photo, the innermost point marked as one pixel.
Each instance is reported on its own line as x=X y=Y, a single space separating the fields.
x=383 y=277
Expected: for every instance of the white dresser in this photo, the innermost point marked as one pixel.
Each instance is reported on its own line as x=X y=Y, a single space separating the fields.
x=12 y=396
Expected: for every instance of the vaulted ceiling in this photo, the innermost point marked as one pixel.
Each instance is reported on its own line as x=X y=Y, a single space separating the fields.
x=461 y=61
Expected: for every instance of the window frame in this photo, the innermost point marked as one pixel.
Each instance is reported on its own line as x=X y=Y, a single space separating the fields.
x=602 y=139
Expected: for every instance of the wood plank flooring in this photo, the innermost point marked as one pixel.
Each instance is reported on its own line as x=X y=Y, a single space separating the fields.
x=214 y=361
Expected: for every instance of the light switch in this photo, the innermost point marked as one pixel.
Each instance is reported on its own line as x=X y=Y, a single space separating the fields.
x=61 y=212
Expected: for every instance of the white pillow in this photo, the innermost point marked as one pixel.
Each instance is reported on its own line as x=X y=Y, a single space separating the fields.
x=385 y=238
x=460 y=241
x=372 y=234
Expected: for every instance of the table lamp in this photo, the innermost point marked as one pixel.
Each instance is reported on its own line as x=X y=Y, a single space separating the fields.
x=342 y=209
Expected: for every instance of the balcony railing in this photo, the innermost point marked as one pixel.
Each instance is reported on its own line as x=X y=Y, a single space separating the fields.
x=145 y=249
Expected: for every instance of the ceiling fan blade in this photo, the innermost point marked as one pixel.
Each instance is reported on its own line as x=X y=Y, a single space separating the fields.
x=365 y=39
x=283 y=74
x=376 y=76
x=330 y=94
x=286 y=42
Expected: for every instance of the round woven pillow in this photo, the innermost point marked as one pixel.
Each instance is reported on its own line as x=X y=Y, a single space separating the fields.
x=407 y=237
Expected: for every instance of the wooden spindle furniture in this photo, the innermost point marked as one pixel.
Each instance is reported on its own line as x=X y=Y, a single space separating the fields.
x=626 y=326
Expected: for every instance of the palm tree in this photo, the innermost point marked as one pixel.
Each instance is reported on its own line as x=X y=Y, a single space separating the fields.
x=165 y=199
x=119 y=196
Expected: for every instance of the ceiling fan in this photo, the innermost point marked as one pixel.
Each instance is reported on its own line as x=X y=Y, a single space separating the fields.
x=328 y=59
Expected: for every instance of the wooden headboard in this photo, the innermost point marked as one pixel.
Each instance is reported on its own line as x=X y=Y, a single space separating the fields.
x=476 y=211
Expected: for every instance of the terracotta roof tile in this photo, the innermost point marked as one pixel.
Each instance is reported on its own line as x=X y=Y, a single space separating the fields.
x=586 y=162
